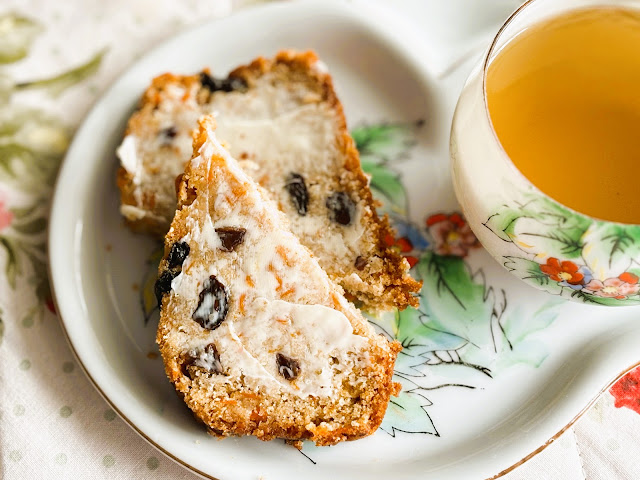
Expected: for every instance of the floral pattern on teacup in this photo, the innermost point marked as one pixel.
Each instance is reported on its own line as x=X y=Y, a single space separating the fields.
x=567 y=253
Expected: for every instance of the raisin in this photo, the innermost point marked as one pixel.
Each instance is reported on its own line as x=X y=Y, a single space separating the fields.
x=178 y=254
x=213 y=304
x=231 y=237
x=341 y=208
x=185 y=364
x=298 y=190
x=163 y=285
x=167 y=134
x=287 y=367
x=207 y=359
x=361 y=262
x=209 y=82
x=229 y=84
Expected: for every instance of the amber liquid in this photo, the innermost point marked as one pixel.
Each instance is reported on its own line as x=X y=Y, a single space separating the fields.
x=564 y=99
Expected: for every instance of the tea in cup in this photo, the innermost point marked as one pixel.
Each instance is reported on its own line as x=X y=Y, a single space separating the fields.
x=545 y=149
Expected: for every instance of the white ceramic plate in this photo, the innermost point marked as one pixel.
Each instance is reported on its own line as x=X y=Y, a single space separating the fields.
x=491 y=368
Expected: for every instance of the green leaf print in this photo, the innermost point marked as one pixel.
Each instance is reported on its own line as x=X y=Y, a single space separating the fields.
x=519 y=328
x=418 y=335
x=59 y=83
x=407 y=413
x=464 y=324
x=32 y=144
x=16 y=36
x=384 y=142
x=453 y=301
x=540 y=225
x=604 y=300
x=615 y=243
x=23 y=212
x=386 y=187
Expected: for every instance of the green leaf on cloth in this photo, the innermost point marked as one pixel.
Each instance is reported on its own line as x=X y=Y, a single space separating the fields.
x=59 y=83
x=32 y=144
x=31 y=227
x=12 y=267
x=16 y=36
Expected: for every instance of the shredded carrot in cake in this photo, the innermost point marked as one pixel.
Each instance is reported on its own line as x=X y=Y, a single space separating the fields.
x=241 y=303
x=288 y=292
x=336 y=300
x=282 y=252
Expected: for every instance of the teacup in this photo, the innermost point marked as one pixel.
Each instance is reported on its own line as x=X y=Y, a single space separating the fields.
x=548 y=245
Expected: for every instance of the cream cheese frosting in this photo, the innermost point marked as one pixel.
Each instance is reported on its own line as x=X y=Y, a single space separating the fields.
x=321 y=339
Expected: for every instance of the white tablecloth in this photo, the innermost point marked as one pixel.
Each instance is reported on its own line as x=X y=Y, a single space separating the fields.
x=53 y=424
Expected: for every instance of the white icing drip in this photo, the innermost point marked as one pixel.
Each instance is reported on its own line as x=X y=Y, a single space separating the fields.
x=127 y=154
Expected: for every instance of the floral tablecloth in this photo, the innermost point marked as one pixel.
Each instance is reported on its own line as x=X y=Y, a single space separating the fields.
x=56 y=58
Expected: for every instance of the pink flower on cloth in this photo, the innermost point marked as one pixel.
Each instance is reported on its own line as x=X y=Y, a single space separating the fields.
x=6 y=216
x=451 y=234
x=626 y=391
x=618 y=287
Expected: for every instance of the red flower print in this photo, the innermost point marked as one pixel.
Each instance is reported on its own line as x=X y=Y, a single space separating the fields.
x=451 y=234
x=403 y=245
x=412 y=260
x=564 y=271
x=6 y=216
x=626 y=391
x=619 y=287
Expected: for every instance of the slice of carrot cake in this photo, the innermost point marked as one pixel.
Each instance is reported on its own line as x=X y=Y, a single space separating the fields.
x=254 y=335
